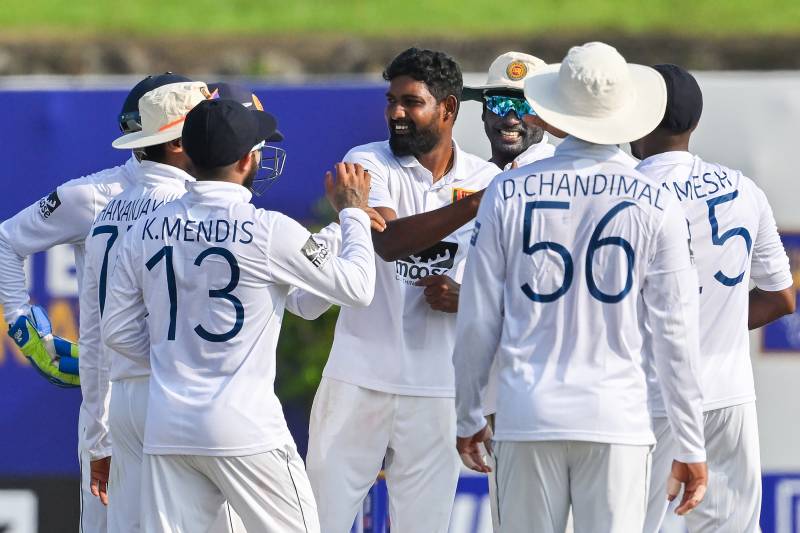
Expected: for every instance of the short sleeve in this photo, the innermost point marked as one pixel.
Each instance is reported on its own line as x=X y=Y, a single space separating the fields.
x=770 y=265
x=379 y=193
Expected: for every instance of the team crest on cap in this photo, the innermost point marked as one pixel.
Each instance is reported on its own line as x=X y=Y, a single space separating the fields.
x=516 y=70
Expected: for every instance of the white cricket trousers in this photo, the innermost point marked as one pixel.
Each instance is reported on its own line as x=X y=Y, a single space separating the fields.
x=606 y=485
x=354 y=429
x=93 y=512
x=269 y=491
x=733 y=501
x=126 y=418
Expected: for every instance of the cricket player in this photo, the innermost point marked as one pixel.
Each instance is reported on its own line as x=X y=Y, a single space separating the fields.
x=65 y=216
x=563 y=249
x=735 y=241
x=199 y=288
x=386 y=395
x=116 y=416
x=511 y=138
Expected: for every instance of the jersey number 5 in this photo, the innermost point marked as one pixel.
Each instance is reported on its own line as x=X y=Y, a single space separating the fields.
x=719 y=240
x=224 y=293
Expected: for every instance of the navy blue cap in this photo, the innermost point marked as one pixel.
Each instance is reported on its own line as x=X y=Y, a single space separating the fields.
x=684 y=99
x=129 y=118
x=220 y=132
x=243 y=95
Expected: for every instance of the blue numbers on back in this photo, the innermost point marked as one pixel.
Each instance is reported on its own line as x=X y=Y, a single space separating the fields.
x=719 y=240
x=595 y=243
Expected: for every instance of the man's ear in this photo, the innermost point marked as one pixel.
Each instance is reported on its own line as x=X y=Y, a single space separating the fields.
x=450 y=107
x=243 y=164
x=175 y=146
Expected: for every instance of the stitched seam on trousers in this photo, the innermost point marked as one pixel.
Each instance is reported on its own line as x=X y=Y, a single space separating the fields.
x=80 y=487
x=497 y=485
x=296 y=493
x=230 y=517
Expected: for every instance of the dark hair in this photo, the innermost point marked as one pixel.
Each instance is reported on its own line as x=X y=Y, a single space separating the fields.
x=437 y=70
x=156 y=153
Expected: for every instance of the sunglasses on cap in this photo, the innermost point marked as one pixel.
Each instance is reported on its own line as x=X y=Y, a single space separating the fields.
x=503 y=105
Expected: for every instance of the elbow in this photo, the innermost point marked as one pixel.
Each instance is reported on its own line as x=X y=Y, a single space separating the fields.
x=109 y=337
x=788 y=301
x=386 y=249
x=363 y=297
x=361 y=294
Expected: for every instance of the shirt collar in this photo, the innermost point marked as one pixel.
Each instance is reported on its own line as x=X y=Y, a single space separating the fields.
x=532 y=149
x=669 y=158
x=220 y=190
x=410 y=161
x=574 y=146
x=153 y=172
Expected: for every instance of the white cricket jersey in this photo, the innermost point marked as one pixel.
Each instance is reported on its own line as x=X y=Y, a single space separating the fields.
x=562 y=250
x=200 y=287
x=399 y=344
x=154 y=185
x=734 y=240
x=535 y=152
x=64 y=216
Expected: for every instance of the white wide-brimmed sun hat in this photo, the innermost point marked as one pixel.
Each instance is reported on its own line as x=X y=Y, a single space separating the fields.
x=507 y=71
x=596 y=96
x=163 y=111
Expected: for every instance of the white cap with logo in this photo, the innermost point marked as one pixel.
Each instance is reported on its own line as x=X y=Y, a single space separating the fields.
x=508 y=72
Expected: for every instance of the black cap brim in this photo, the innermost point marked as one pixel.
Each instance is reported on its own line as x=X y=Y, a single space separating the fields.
x=267 y=127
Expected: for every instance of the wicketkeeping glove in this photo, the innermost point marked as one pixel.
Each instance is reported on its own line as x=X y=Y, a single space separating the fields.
x=53 y=357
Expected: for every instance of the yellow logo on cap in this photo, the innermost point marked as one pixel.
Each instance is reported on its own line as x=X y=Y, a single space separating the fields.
x=516 y=70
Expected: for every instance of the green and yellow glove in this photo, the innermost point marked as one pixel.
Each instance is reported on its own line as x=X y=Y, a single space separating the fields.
x=53 y=357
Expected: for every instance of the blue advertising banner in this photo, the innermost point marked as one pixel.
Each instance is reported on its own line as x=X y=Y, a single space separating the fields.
x=48 y=137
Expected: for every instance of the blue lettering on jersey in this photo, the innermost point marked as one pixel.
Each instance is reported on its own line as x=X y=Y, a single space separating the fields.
x=567 y=186
x=698 y=187
x=211 y=231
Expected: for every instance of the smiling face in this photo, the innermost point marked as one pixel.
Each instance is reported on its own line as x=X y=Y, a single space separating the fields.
x=414 y=117
x=508 y=135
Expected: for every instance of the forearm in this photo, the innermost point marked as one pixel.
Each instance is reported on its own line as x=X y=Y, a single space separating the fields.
x=768 y=306
x=409 y=235
x=673 y=314
x=13 y=290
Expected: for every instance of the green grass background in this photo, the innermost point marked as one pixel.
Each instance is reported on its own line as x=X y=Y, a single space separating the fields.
x=401 y=18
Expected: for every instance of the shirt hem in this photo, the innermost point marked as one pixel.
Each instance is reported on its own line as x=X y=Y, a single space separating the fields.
x=401 y=390
x=606 y=438
x=214 y=452
x=728 y=402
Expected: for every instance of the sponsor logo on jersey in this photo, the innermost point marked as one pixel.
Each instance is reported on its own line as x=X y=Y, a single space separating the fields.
x=516 y=70
x=459 y=194
x=437 y=259
x=475 y=230
x=48 y=204
x=317 y=253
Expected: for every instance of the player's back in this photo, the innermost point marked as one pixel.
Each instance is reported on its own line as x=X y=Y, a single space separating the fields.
x=213 y=323
x=578 y=231
x=152 y=186
x=733 y=238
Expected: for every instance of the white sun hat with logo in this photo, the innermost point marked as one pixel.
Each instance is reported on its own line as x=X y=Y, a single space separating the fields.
x=163 y=111
x=508 y=72
x=596 y=96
